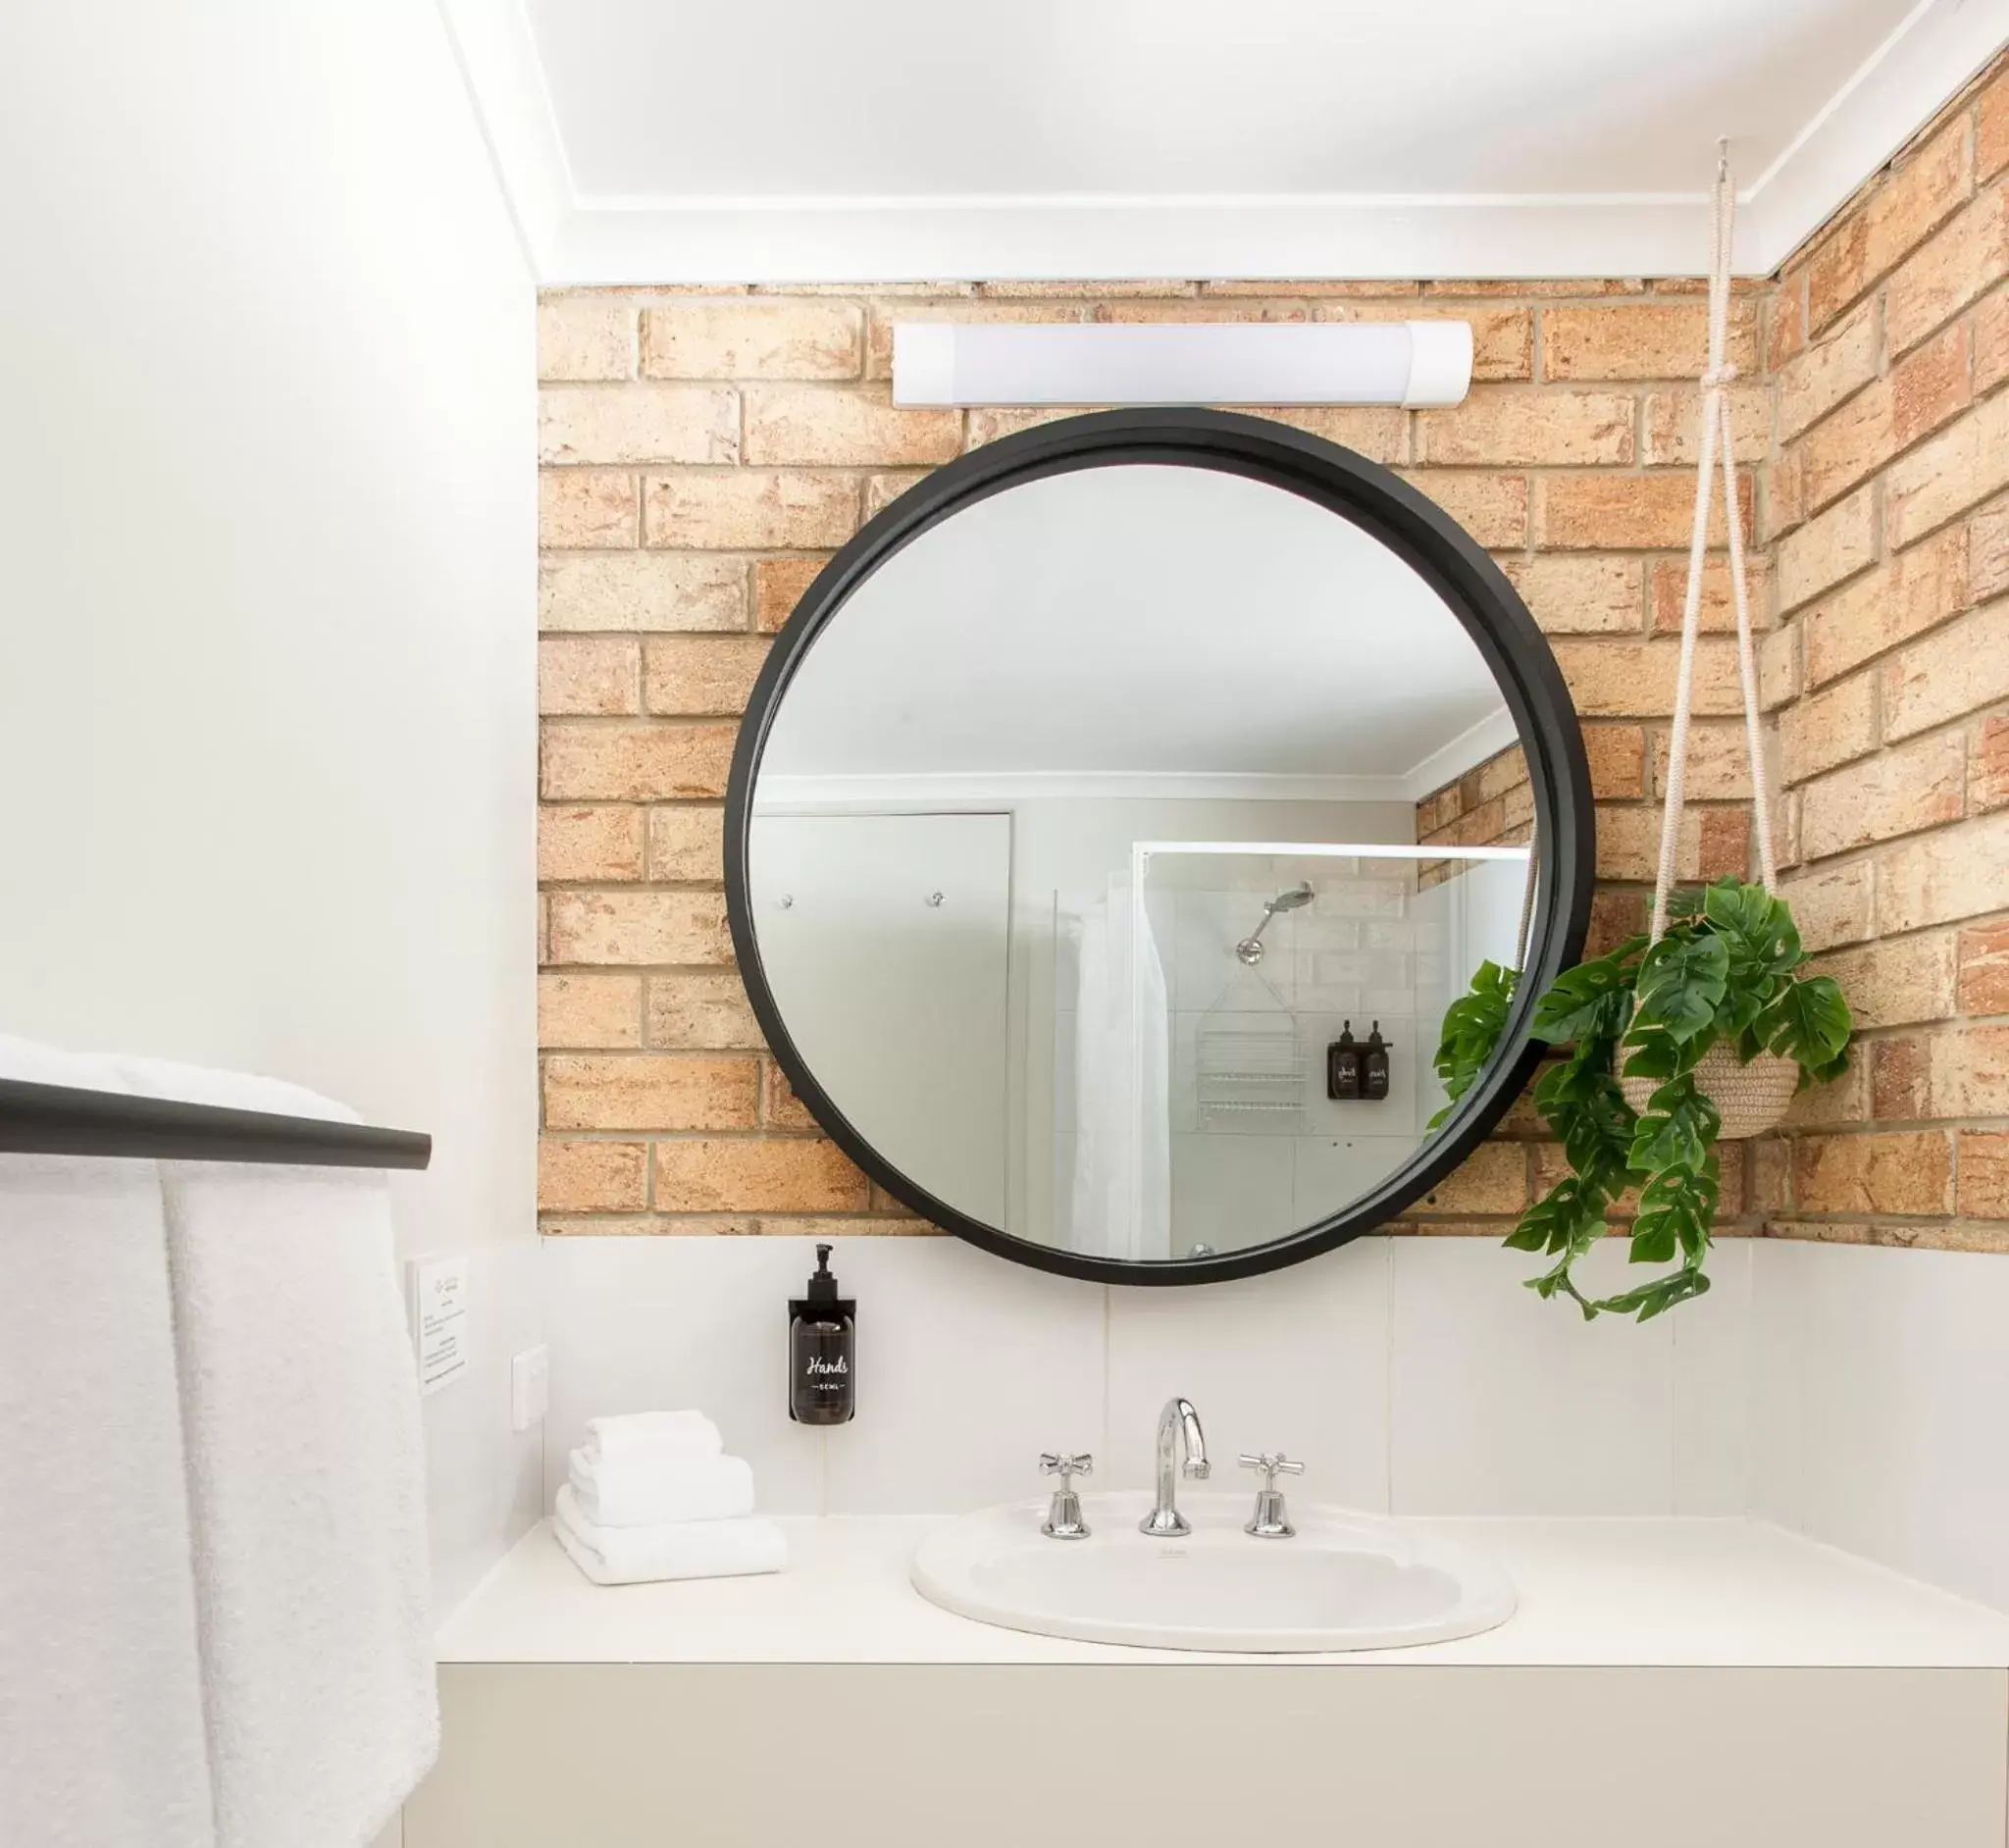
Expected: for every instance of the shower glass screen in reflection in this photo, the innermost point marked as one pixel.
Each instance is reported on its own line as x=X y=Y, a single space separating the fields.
x=1113 y=826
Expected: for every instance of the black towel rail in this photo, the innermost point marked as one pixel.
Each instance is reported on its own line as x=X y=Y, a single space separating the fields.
x=60 y=1119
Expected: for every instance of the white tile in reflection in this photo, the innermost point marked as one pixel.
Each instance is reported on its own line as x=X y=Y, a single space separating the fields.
x=1231 y=1191
x=1295 y=1361
x=968 y=1367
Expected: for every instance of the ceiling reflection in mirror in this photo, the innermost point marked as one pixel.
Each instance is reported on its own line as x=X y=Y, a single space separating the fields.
x=1116 y=849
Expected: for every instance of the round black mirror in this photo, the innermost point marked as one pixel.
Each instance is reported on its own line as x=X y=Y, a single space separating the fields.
x=1115 y=820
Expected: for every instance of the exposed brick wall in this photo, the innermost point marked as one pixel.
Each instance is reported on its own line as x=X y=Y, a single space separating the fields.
x=1492 y=804
x=703 y=452
x=1889 y=349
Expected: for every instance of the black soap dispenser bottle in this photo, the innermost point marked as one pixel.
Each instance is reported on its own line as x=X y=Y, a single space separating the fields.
x=1375 y=1065
x=1343 y=1067
x=822 y=1350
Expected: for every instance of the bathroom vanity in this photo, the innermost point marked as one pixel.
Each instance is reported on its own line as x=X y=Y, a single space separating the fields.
x=1663 y=1683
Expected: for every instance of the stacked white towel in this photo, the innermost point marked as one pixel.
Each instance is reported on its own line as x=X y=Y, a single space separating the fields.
x=653 y=1495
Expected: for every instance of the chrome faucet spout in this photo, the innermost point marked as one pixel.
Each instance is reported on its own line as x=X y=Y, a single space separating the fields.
x=1181 y=1451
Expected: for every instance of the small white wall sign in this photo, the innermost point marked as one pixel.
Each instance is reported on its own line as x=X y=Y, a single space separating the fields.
x=439 y=1319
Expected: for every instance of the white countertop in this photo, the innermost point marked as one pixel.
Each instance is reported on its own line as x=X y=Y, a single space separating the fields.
x=1677 y=1593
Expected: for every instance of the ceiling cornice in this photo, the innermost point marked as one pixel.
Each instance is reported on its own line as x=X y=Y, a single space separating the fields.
x=587 y=240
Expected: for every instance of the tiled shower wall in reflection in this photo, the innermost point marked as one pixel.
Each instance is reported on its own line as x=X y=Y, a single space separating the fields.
x=704 y=451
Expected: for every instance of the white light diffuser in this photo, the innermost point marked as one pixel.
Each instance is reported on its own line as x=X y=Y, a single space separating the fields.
x=1401 y=362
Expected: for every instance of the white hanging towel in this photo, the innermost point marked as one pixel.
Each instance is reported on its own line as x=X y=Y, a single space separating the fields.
x=1122 y=1194
x=101 y=1735
x=306 y=1482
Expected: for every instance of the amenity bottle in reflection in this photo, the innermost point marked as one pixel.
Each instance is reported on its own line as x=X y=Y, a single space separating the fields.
x=1375 y=1065
x=822 y=1350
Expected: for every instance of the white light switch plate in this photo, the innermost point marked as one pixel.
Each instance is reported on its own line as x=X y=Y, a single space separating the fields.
x=439 y=1320
x=530 y=1387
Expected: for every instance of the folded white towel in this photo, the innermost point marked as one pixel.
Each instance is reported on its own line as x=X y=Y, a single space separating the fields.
x=101 y=1737
x=692 y=1548
x=685 y=1488
x=650 y=1436
x=306 y=1482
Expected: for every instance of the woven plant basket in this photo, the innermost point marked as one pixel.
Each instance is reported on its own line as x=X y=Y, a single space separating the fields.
x=1751 y=1098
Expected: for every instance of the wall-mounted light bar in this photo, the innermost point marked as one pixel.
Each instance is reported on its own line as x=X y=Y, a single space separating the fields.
x=1402 y=362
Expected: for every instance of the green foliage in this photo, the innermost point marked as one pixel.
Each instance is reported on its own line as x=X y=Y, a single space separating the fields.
x=1725 y=972
x=1472 y=1025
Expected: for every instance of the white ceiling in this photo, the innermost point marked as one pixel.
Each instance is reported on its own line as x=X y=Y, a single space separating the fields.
x=775 y=140
x=1137 y=630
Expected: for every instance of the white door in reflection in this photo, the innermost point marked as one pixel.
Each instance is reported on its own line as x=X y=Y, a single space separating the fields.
x=890 y=937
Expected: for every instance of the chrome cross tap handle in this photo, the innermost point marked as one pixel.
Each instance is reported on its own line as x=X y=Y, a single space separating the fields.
x=1269 y=1520
x=1064 y=1519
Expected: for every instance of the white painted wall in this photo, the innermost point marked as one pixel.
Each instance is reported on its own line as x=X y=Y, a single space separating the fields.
x=266 y=732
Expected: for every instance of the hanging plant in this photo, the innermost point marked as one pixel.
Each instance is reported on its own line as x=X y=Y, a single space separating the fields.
x=1698 y=1032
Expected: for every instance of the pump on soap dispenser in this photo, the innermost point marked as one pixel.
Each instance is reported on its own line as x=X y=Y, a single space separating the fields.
x=822 y=1350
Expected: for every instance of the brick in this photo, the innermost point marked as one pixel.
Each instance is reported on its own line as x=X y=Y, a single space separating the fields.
x=1987 y=764
x=1914 y=592
x=584 y=337
x=1785 y=323
x=1881 y=1171
x=588 y=844
x=1957 y=873
x=1991 y=343
x=1982 y=952
x=1626 y=512
x=1674 y=424
x=1613 y=679
x=1217 y=311
x=1985 y=553
x=1828 y=729
x=1898 y=215
x=1784 y=495
x=1899 y=1078
x=1771 y=1169
x=1921 y=394
x=1502 y=338
x=592 y=1176
x=695 y=675
x=700 y=1010
x=1378 y=432
x=1946 y=476
x=1613 y=917
x=588 y=674
x=685 y=843
x=1826 y=550
x=1897 y=791
x=827 y=427
x=1111 y=288
x=1991 y=130
x=1957 y=1072
x=1969 y=257
x=634 y=762
x=1840 y=363
x=634 y=424
x=780 y=1108
x=1578 y=596
x=575 y=1010
x=779 y=584
x=1618 y=761
x=792 y=1174
x=642 y=591
x=1492 y=508
x=652 y=1225
x=651 y=1091
x=1711 y=843
x=1953 y=671
x=1641 y=341
x=987 y=423
x=1505 y=424
x=586 y=508
x=543 y=914
x=1493 y=1178
x=750 y=509
x=1719 y=764
x=1895 y=983
x=1833 y=905
x=639 y=928
x=967 y=313
x=1667 y=589
x=1778 y=668
x=1984 y=1174
x=753 y=337
x=882 y=491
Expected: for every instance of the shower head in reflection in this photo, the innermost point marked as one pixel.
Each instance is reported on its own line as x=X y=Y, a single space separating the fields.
x=1250 y=949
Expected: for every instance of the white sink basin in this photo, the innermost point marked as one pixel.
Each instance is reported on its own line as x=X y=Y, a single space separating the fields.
x=1343 y=1582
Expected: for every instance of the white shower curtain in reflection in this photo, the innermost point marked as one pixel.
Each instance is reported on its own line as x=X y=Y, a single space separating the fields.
x=1122 y=1199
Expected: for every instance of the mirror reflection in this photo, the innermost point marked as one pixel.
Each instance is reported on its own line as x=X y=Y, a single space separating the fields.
x=1116 y=849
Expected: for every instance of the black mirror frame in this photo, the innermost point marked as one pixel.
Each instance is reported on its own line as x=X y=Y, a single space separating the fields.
x=1418 y=530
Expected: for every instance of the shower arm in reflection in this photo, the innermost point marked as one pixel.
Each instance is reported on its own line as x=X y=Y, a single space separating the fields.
x=1250 y=949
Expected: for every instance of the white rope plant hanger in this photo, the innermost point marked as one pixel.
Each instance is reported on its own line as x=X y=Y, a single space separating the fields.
x=1751 y=1098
